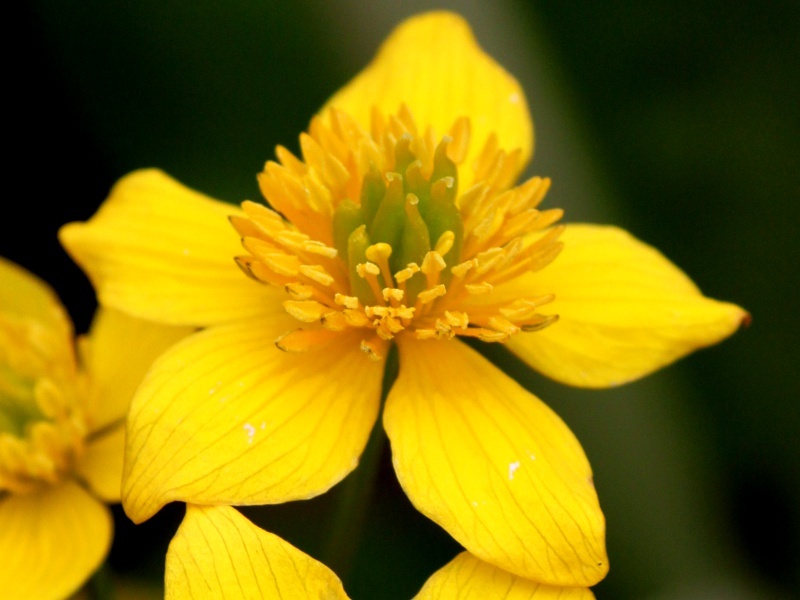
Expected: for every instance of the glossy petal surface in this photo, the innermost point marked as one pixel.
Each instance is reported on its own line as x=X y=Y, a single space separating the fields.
x=218 y=553
x=163 y=252
x=227 y=418
x=469 y=578
x=51 y=542
x=433 y=64
x=494 y=466
x=624 y=311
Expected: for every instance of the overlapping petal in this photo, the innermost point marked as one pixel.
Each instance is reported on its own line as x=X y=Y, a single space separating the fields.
x=624 y=311
x=116 y=354
x=218 y=553
x=469 y=578
x=494 y=466
x=163 y=252
x=226 y=418
x=433 y=64
x=101 y=465
x=51 y=541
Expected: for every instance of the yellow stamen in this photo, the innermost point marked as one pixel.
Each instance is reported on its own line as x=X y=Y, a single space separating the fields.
x=301 y=340
x=379 y=254
x=308 y=311
x=413 y=254
x=370 y=271
x=374 y=348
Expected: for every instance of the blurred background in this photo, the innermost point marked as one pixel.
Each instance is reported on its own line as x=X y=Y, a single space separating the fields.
x=674 y=119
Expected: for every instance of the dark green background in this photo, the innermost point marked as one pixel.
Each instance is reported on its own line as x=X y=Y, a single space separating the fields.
x=677 y=120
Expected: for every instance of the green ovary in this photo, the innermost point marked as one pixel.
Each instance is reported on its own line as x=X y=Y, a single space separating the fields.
x=18 y=407
x=404 y=209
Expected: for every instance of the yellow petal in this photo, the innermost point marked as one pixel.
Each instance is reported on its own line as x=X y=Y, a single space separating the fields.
x=51 y=542
x=24 y=295
x=101 y=465
x=163 y=252
x=227 y=418
x=432 y=63
x=117 y=354
x=469 y=578
x=494 y=466
x=624 y=311
x=218 y=553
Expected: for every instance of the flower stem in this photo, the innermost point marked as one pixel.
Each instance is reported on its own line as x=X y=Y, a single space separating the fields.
x=356 y=491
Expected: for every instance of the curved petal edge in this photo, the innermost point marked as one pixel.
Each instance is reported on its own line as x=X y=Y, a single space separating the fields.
x=163 y=252
x=494 y=466
x=624 y=311
x=469 y=578
x=218 y=553
x=225 y=417
x=51 y=541
x=433 y=64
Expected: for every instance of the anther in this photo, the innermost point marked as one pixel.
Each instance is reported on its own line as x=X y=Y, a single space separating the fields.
x=379 y=254
x=431 y=294
x=299 y=291
x=315 y=247
x=369 y=271
x=373 y=348
x=317 y=274
x=457 y=319
x=478 y=289
x=461 y=270
x=346 y=301
x=432 y=265
x=501 y=324
x=356 y=318
x=540 y=323
x=406 y=274
x=302 y=340
x=282 y=264
x=393 y=294
x=308 y=311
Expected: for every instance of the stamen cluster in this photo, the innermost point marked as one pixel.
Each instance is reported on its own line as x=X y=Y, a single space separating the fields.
x=42 y=426
x=371 y=231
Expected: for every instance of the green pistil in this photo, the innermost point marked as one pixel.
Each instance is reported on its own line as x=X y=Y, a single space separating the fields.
x=402 y=209
x=346 y=219
x=403 y=156
x=389 y=221
x=415 y=245
x=373 y=189
x=18 y=406
x=16 y=413
x=357 y=245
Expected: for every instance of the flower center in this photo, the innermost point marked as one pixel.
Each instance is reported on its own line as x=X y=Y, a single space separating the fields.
x=41 y=428
x=372 y=231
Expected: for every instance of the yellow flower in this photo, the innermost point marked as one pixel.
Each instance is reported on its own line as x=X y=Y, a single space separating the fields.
x=388 y=232
x=218 y=553
x=61 y=433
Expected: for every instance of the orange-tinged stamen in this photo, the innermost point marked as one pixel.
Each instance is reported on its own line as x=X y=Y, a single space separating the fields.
x=370 y=231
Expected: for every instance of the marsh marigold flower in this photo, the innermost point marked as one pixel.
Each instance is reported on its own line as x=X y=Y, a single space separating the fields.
x=400 y=223
x=62 y=433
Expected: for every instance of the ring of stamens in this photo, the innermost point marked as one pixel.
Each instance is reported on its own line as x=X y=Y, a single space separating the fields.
x=371 y=231
x=42 y=425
